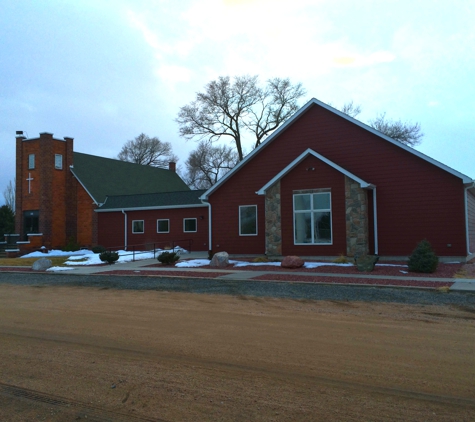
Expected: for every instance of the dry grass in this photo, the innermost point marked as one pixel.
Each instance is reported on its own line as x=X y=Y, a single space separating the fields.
x=57 y=261
x=342 y=259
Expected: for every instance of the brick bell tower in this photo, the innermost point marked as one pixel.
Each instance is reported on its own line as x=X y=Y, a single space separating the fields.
x=45 y=193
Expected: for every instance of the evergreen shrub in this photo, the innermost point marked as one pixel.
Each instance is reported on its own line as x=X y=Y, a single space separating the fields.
x=98 y=249
x=423 y=258
x=168 y=258
x=109 y=257
x=72 y=245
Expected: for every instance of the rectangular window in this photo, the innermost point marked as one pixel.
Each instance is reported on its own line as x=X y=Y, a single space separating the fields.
x=312 y=219
x=248 y=220
x=58 y=161
x=163 y=226
x=137 y=226
x=189 y=225
x=31 y=161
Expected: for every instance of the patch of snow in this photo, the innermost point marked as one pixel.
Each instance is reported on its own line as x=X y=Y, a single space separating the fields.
x=192 y=263
x=55 y=269
x=55 y=252
x=391 y=265
x=404 y=272
x=326 y=264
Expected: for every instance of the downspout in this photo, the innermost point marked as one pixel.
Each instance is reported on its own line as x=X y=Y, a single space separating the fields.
x=375 y=221
x=125 y=230
x=210 y=239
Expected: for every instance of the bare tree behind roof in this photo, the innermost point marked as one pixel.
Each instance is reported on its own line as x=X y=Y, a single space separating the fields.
x=9 y=195
x=229 y=109
x=147 y=151
x=208 y=163
x=404 y=132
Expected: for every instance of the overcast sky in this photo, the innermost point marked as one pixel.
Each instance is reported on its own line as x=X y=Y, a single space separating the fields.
x=105 y=71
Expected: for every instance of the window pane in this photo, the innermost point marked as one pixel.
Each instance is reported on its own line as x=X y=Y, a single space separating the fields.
x=303 y=227
x=323 y=232
x=137 y=226
x=31 y=161
x=301 y=202
x=248 y=220
x=162 y=226
x=190 y=224
x=58 y=161
x=321 y=201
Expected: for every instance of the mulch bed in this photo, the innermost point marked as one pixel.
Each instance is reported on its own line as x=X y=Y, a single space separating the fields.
x=443 y=270
x=349 y=280
x=191 y=274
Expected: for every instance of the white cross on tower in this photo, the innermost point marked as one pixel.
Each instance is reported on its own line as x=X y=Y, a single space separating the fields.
x=29 y=182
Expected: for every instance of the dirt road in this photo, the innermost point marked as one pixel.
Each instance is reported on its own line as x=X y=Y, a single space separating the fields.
x=67 y=353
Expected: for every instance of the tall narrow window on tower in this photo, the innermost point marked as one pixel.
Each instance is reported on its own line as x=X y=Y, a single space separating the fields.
x=58 y=161
x=31 y=161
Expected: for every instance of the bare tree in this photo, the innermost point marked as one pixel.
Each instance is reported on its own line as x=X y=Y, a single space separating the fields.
x=351 y=109
x=9 y=195
x=208 y=163
x=228 y=108
x=147 y=151
x=404 y=132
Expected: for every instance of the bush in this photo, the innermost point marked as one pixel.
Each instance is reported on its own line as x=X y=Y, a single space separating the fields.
x=98 y=249
x=423 y=259
x=72 y=245
x=168 y=258
x=109 y=257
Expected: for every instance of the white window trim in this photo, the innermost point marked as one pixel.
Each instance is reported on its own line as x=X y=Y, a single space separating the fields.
x=164 y=219
x=31 y=157
x=323 y=191
x=257 y=230
x=143 y=227
x=55 y=158
x=190 y=231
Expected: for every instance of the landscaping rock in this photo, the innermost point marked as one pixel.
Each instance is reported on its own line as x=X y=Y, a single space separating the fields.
x=292 y=262
x=220 y=260
x=42 y=264
x=366 y=262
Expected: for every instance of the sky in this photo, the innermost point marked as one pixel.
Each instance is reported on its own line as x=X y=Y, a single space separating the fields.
x=104 y=71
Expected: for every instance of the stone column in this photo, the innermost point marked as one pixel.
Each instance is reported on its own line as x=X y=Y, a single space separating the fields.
x=356 y=205
x=273 y=221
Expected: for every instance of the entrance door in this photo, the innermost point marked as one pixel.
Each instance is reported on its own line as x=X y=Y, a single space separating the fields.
x=30 y=222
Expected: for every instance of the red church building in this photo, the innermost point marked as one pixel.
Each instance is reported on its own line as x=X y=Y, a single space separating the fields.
x=322 y=185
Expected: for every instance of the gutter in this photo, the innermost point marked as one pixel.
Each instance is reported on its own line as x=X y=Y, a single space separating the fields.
x=210 y=238
x=125 y=230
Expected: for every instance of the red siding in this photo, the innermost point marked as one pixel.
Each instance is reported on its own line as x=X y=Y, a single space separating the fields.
x=111 y=228
x=415 y=199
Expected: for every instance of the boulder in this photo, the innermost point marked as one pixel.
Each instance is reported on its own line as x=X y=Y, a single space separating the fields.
x=366 y=262
x=220 y=260
x=292 y=262
x=42 y=264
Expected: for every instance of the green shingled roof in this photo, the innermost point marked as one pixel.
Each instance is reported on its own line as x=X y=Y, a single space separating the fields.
x=153 y=200
x=103 y=177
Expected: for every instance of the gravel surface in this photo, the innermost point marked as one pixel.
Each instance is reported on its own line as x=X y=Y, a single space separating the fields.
x=300 y=291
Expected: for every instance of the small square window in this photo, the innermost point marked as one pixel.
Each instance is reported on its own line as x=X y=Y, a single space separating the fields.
x=31 y=161
x=58 y=161
x=163 y=226
x=189 y=225
x=137 y=226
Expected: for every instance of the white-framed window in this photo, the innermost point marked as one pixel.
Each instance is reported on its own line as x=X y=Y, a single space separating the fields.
x=163 y=226
x=137 y=226
x=313 y=218
x=31 y=161
x=58 y=161
x=247 y=220
x=189 y=225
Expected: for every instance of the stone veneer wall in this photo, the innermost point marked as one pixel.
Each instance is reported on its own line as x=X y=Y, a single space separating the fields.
x=356 y=205
x=273 y=221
